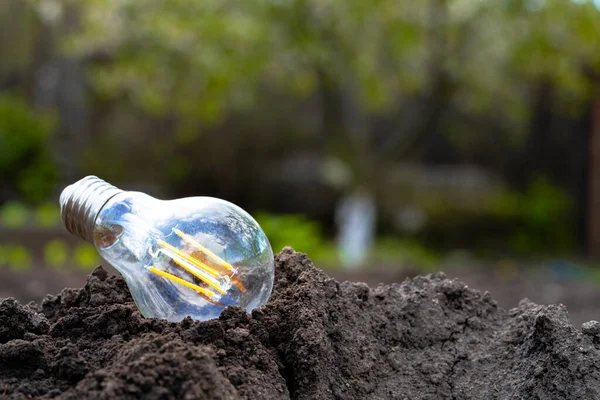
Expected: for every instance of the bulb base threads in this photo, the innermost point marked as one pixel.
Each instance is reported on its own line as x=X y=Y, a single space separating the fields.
x=81 y=202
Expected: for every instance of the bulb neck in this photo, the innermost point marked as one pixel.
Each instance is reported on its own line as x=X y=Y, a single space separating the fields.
x=81 y=202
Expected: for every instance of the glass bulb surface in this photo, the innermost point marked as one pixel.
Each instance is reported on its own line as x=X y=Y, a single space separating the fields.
x=187 y=257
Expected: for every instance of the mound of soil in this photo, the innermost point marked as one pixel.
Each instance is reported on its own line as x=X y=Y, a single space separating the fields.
x=427 y=338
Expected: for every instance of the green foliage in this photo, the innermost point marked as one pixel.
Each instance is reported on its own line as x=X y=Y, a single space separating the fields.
x=391 y=249
x=14 y=215
x=56 y=253
x=47 y=215
x=545 y=215
x=537 y=221
x=202 y=59
x=297 y=231
x=25 y=162
x=18 y=39
x=3 y=255
x=85 y=256
x=37 y=179
x=15 y=257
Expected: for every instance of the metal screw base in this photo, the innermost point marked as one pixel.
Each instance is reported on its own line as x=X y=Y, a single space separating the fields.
x=81 y=202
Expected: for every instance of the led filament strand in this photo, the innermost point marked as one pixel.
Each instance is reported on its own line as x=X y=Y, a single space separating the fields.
x=219 y=275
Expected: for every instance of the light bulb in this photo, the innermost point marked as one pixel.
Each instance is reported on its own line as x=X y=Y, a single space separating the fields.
x=186 y=257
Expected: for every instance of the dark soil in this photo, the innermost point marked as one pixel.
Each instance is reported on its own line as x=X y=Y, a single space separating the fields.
x=427 y=338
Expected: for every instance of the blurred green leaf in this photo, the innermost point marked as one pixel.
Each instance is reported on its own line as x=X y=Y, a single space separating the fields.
x=3 y=255
x=19 y=257
x=36 y=180
x=297 y=231
x=390 y=249
x=47 y=215
x=14 y=215
x=56 y=253
x=25 y=162
x=85 y=256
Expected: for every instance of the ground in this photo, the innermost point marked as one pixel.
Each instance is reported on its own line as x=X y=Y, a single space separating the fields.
x=317 y=338
x=508 y=288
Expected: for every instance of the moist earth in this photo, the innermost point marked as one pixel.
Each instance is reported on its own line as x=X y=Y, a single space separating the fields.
x=316 y=338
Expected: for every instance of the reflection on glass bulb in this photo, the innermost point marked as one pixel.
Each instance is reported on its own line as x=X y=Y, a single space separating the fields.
x=186 y=257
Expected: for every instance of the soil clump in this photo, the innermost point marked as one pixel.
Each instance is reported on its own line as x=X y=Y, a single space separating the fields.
x=316 y=338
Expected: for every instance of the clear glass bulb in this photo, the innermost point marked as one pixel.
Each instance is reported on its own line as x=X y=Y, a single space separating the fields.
x=187 y=257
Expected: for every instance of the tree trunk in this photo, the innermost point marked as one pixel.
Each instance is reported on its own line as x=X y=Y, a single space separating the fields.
x=594 y=185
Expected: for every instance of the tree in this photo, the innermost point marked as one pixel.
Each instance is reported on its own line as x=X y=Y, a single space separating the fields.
x=402 y=62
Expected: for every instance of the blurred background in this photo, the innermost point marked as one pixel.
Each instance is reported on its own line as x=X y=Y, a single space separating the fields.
x=384 y=138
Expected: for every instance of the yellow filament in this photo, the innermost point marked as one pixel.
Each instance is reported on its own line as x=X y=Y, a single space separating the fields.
x=189 y=259
x=206 y=279
x=186 y=261
x=234 y=279
x=211 y=301
x=183 y=282
x=218 y=260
